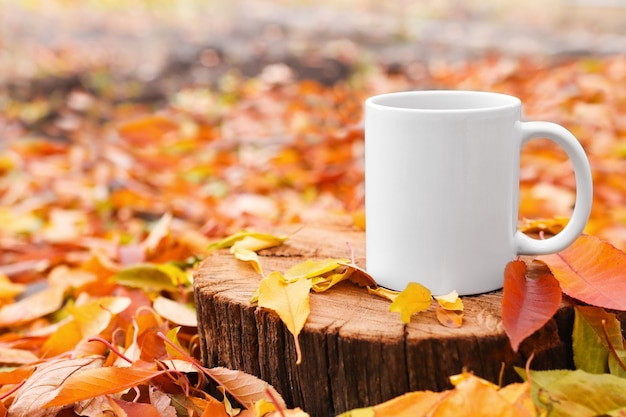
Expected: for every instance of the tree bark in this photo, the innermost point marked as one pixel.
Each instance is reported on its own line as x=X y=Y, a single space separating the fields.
x=355 y=352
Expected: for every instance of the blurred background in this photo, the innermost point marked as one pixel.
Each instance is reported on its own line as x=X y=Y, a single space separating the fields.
x=147 y=49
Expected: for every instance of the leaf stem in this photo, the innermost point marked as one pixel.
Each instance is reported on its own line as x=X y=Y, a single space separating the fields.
x=111 y=347
x=273 y=399
x=611 y=347
x=201 y=368
x=12 y=390
x=351 y=248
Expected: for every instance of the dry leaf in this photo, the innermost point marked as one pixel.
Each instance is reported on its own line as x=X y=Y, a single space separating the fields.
x=449 y=318
x=290 y=300
x=527 y=304
x=591 y=270
x=45 y=384
x=450 y=301
x=413 y=299
x=179 y=313
x=383 y=292
x=93 y=382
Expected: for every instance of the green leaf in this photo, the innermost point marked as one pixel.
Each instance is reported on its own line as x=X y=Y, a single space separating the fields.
x=577 y=393
x=165 y=277
x=589 y=343
x=615 y=367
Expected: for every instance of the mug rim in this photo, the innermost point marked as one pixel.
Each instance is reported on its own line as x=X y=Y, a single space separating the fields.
x=443 y=101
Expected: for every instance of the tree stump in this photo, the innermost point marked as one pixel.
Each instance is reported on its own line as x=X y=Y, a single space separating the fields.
x=355 y=352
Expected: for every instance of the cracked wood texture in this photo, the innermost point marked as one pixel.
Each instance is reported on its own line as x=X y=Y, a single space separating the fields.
x=355 y=352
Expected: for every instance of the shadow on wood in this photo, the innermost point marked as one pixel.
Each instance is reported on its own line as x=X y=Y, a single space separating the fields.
x=355 y=352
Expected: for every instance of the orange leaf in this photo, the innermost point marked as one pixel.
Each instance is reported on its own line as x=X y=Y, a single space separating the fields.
x=411 y=404
x=527 y=304
x=100 y=381
x=43 y=384
x=449 y=318
x=591 y=270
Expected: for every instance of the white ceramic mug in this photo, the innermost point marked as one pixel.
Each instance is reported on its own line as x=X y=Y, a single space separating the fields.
x=442 y=189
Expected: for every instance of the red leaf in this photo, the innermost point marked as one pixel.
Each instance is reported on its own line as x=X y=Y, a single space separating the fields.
x=591 y=270
x=527 y=304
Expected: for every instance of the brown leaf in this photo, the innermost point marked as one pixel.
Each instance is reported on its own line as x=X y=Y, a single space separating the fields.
x=45 y=383
x=245 y=387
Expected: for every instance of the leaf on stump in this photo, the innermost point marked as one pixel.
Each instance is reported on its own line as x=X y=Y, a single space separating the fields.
x=449 y=318
x=290 y=300
x=527 y=304
x=413 y=299
x=591 y=270
x=450 y=301
x=449 y=309
x=313 y=268
x=383 y=292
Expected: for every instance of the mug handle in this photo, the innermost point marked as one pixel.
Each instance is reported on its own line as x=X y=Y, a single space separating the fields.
x=526 y=245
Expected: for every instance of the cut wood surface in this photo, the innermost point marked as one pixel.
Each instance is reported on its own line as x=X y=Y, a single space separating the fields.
x=356 y=352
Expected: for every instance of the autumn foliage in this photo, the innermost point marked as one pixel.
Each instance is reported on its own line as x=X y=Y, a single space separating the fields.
x=102 y=227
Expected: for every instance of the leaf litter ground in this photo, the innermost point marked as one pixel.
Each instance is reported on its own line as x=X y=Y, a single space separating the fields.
x=107 y=207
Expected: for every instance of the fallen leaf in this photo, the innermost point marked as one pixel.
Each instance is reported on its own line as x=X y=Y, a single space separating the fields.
x=179 y=313
x=150 y=277
x=383 y=293
x=45 y=384
x=247 y=388
x=290 y=300
x=565 y=393
x=412 y=404
x=449 y=318
x=591 y=270
x=312 y=268
x=229 y=241
x=91 y=383
x=527 y=304
x=475 y=397
x=42 y=303
x=450 y=301
x=589 y=344
x=413 y=299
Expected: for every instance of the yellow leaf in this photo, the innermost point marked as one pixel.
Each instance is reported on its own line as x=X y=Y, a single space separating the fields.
x=229 y=241
x=311 y=268
x=290 y=300
x=245 y=248
x=412 y=404
x=383 y=292
x=413 y=299
x=450 y=301
x=8 y=289
x=247 y=255
x=359 y=412
x=262 y=407
x=179 y=313
x=477 y=397
x=321 y=284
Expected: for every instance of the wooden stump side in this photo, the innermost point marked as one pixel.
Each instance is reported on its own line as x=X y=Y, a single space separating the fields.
x=355 y=352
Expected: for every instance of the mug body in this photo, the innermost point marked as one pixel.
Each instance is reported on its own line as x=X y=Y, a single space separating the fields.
x=441 y=189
